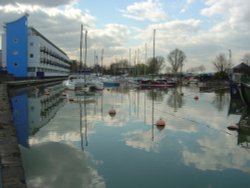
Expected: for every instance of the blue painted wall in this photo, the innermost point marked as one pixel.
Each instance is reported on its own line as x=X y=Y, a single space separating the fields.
x=17 y=47
x=20 y=117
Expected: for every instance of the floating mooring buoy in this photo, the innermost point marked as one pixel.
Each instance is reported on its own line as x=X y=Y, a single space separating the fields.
x=71 y=99
x=233 y=127
x=196 y=97
x=160 y=122
x=112 y=112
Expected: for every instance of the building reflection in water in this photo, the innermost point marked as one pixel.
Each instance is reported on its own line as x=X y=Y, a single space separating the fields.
x=32 y=109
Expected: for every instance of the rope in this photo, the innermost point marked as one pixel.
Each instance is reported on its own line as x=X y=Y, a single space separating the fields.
x=194 y=121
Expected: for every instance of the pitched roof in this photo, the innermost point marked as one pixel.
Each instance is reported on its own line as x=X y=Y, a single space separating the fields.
x=241 y=68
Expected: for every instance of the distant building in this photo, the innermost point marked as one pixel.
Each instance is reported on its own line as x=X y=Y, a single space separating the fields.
x=238 y=71
x=27 y=53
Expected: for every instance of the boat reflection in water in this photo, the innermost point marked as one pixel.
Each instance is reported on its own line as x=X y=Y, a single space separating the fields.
x=83 y=99
x=237 y=107
x=244 y=131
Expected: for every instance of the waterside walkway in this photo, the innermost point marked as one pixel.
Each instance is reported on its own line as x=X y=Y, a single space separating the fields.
x=12 y=172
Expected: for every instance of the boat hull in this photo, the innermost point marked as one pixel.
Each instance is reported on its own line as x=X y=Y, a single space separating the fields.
x=155 y=83
x=234 y=90
x=111 y=84
x=83 y=81
x=245 y=90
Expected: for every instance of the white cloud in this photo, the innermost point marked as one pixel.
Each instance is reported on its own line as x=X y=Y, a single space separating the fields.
x=190 y=1
x=62 y=27
x=222 y=25
x=111 y=35
x=234 y=13
x=46 y=3
x=151 y=10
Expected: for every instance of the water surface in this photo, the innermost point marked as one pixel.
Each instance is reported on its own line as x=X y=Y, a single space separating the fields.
x=66 y=142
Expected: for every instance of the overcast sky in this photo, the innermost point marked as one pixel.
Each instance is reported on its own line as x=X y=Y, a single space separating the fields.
x=201 y=28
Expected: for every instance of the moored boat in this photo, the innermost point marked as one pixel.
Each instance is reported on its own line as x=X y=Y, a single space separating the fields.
x=157 y=83
x=73 y=81
x=110 y=82
x=83 y=82
x=245 y=90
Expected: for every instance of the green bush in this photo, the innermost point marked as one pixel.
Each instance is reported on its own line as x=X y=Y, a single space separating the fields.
x=222 y=75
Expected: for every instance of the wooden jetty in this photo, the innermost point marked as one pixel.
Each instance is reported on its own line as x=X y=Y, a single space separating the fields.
x=12 y=172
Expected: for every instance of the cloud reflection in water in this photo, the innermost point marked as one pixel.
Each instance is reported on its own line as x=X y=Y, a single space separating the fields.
x=54 y=164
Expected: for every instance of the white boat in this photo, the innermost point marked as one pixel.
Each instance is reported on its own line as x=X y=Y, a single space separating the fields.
x=110 y=81
x=94 y=82
x=83 y=82
x=73 y=81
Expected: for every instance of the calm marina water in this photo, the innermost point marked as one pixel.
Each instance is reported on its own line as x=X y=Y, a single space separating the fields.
x=66 y=142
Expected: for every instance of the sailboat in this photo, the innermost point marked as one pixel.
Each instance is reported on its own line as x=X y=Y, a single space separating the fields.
x=79 y=82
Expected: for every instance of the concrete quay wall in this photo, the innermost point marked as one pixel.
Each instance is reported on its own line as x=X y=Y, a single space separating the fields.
x=12 y=172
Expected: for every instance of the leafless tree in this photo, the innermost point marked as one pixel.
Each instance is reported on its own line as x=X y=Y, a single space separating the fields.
x=221 y=63
x=246 y=58
x=176 y=58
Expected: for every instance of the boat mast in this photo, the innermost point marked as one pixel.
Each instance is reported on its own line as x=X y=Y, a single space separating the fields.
x=145 y=58
x=230 y=56
x=129 y=63
x=102 y=60
x=138 y=61
x=85 y=57
x=81 y=49
x=154 y=44
x=153 y=92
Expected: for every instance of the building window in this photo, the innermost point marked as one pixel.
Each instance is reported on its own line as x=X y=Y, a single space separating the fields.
x=15 y=64
x=15 y=40
x=31 y=55
x=31 y=69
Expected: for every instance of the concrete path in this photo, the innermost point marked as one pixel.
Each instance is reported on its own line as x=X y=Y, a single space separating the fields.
x=12 y=172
